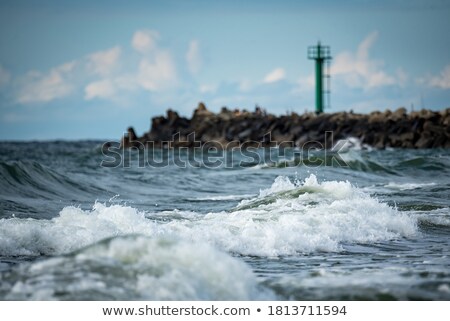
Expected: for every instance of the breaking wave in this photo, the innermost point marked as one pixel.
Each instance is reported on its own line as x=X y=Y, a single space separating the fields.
x=289 y=218
x=135 y=268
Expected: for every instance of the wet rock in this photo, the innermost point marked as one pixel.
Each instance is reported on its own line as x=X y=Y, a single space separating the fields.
x=244 y=135
x=376 y=117
x=398 y=114
x=130 y=139
x=202 y=111
x=425 y=141
x=172 y=116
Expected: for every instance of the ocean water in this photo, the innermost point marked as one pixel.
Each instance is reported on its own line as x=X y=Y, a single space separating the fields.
x=361 y=224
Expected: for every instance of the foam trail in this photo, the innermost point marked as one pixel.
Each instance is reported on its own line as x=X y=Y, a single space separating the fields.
x=221 y=197
x=407 y=186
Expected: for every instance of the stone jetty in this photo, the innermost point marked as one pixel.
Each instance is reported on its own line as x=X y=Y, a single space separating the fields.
x=231 y=128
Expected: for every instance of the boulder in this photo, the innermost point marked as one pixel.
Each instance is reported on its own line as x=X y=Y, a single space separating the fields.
x=398 y=114
x=172 y=116
x=425 y=141
x=130 y=139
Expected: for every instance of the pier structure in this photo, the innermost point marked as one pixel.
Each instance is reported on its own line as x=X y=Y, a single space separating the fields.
x=322 y=57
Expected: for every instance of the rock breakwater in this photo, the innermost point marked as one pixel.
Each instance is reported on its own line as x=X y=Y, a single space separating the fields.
x=231 y=128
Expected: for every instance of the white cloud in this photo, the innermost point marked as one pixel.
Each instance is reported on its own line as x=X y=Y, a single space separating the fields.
x=104 y=62
x=442 y=80
x=158 y=73
x=104 y=88
x=155 y=72
x=145 y=41
x=274 y=76
x=36 y=87
x=102 y=74
x=193 y=57
x=112 y=88
x=5 y=76
x=358 y=70
x=207 y=88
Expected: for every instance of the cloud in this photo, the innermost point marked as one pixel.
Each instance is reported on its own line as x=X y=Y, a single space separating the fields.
x=105 y=74
x=104 y=88
x=193 y=57
x=207 y=88
x=5 y=76
x=104 y=62
x=358 y=70
x=158 y=73
x=274 y=76
x=36 y=87
x=111 y=88
x=145 y=41
x=442 y=80
x=155 y=71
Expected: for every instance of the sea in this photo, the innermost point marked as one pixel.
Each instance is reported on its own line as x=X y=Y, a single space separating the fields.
x=84 y=220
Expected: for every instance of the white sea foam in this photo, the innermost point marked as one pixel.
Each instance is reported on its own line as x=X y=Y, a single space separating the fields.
x=256 y=167
x=281 y=184
x=222 y=197
x=350 y=143
x=137 y=268
x=407 y=186
x=286 y=219
x=71 y=230
x=439 y=216
x=324 y=217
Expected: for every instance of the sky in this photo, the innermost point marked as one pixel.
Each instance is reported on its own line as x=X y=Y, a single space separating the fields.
x=89 y=69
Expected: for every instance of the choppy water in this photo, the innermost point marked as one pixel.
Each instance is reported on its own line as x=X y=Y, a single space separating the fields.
x=281 y=229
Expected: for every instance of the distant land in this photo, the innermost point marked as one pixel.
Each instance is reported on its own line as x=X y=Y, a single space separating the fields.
x=232 y=128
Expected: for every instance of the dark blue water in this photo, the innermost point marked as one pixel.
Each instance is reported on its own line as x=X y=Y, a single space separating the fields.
x=364 y=224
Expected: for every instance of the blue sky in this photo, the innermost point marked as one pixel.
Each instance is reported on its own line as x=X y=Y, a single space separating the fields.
x=89 y=69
